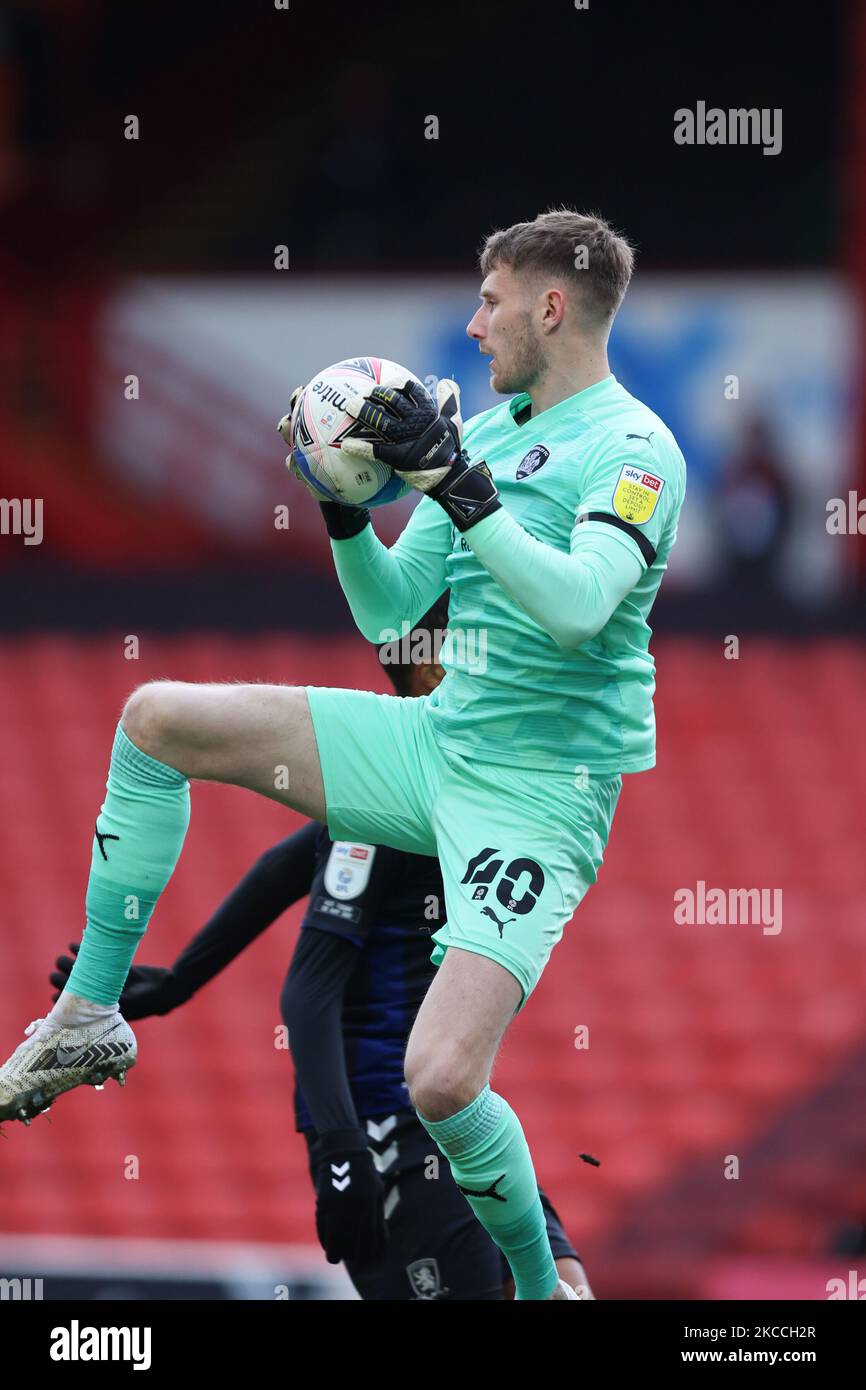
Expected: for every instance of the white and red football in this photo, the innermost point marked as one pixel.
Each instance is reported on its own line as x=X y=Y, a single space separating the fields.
x=321 y=423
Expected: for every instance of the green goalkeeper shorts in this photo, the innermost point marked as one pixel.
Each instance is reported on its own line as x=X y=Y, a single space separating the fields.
x=518 y=848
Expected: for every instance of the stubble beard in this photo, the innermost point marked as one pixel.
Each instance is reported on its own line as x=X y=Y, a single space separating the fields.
x=528 y=362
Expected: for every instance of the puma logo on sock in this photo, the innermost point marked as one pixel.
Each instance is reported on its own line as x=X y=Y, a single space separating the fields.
x=487 y=1191
x=102 y=839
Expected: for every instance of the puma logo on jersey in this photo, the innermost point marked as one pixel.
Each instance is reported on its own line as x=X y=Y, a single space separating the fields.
x=647 y=437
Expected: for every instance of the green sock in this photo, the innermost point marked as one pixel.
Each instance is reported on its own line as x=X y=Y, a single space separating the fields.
x=140 y=834
x=488 y=1153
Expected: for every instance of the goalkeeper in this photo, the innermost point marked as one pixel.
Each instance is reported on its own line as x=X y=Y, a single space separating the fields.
x=551 y=522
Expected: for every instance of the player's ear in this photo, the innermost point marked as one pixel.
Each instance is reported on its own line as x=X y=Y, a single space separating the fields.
x=553 y=308
x=430 y=674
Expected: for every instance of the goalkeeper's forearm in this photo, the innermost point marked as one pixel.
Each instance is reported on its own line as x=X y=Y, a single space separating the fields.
x=381 y=591
x=571 y=597
x=388 y=587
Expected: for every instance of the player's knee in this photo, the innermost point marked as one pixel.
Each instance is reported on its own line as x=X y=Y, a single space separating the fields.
x=439 y=1087
x=147 y=716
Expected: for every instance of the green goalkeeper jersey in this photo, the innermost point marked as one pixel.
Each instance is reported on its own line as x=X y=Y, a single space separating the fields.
x=599 y=461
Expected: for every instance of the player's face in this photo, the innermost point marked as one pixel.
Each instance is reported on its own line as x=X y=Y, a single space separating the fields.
x=504 y=329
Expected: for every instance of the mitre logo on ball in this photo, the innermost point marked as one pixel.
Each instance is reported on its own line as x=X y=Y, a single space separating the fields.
x=321 y=423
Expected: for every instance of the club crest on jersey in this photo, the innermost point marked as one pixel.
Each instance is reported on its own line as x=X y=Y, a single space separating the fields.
x=531 y=462
x=425 y=1279
x=347 y=872
x=636 y=494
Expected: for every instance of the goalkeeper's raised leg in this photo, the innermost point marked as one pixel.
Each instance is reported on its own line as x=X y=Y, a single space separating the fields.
x=169 y=733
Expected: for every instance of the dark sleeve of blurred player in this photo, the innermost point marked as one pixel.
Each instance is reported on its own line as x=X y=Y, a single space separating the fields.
x=334 y=931
x=277 y=880
x=350 y=883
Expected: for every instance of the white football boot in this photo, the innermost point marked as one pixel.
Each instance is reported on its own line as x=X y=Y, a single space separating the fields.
x=53 y=1060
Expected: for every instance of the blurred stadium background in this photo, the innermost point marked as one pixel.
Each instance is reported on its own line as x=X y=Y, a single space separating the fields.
x=153 y=259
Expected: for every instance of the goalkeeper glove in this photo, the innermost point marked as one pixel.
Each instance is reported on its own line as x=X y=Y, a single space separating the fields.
x=341 y=521
x=424 y=445
x=149 y=989
x=350 y=1198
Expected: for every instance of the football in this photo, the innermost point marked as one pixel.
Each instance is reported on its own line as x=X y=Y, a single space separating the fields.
x=321 y=424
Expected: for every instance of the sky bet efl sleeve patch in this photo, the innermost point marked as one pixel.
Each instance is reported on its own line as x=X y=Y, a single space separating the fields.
x=348 y=869
x=636 y=494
